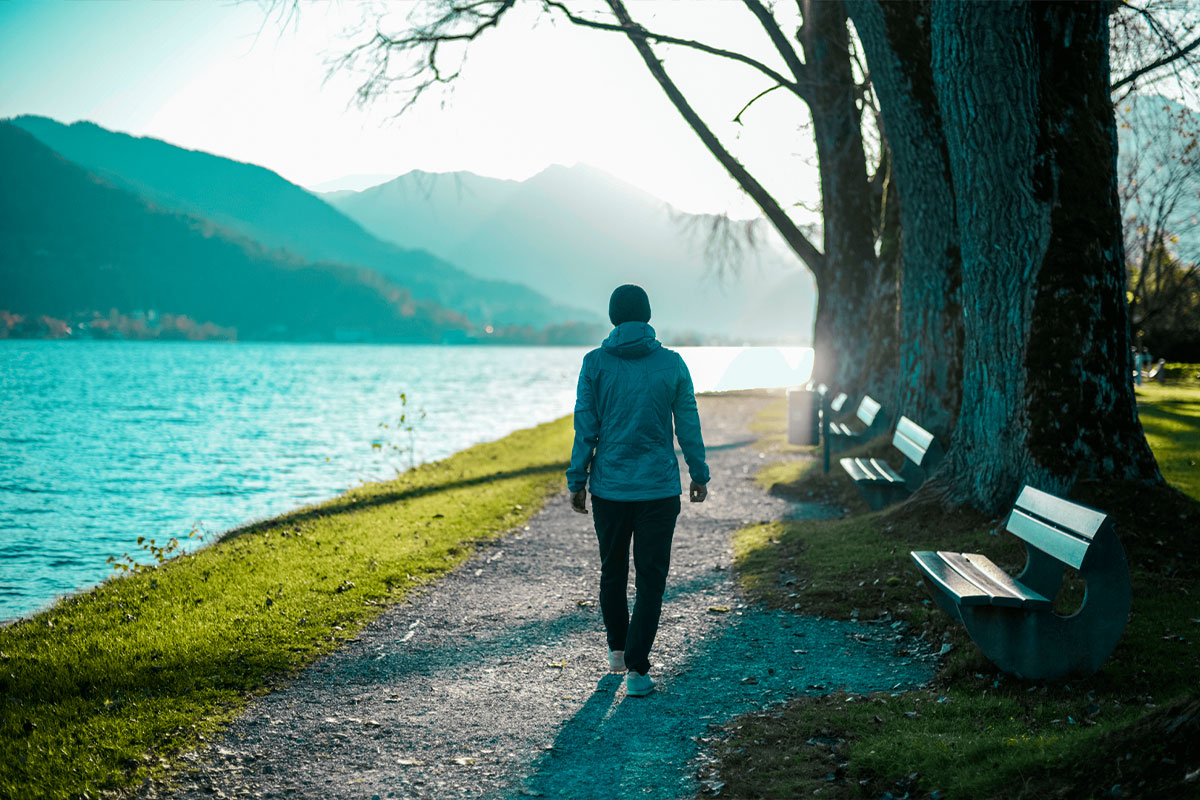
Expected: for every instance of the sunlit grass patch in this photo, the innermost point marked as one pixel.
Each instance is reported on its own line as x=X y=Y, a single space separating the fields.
x=1171 y=418
x=103 y=689
x=783 y=473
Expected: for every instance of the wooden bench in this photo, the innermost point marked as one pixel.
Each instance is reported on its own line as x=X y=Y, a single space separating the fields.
x=1012 y=619
x=842 y=435
x=879 y=484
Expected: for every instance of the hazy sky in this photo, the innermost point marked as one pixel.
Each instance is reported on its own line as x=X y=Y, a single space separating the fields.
x=216 y=76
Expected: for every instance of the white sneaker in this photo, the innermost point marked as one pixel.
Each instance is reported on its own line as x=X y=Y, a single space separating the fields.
x=616 y=660
x=638 y=685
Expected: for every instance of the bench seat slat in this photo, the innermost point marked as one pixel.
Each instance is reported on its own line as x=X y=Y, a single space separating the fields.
x=841 y=429
x=950 y=580
x=1005 y=591
x=1063 y=545
x=870 y=470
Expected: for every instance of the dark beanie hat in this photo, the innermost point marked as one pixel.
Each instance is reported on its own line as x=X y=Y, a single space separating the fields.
x=629 y=303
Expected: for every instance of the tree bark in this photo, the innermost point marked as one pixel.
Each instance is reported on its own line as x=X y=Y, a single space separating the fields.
x=895 y=38
x=1047 y=395
x=857 y=340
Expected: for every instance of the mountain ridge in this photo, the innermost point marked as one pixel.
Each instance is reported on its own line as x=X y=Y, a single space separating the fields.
x=573 y=233
x=260 y=204
x=73 y=242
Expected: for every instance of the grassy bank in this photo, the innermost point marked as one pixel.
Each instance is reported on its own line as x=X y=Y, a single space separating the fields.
x=105 y=688
x=1129 y=731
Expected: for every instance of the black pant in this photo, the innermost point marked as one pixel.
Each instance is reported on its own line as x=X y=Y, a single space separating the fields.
x=650 y=524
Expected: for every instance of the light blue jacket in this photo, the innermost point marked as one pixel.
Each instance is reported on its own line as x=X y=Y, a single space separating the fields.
x=629 y=389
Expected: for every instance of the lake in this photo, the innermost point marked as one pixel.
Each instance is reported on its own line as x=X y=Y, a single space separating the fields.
x=105 y=441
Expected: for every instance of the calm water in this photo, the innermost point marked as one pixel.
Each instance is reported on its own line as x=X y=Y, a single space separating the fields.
x=102 y=442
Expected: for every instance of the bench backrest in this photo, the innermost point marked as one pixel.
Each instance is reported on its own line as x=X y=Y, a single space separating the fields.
x=913 y=440
x=867 y=410
x=1057 y=527
x=838 y=402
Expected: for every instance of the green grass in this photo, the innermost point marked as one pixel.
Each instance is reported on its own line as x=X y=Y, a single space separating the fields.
x=1171 y=418
x=975 y=732
x=105 y=688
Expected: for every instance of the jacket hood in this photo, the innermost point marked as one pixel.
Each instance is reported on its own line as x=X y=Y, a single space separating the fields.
x=631 y=340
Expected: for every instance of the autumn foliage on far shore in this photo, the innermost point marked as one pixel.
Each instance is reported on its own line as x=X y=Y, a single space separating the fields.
x=114 y=325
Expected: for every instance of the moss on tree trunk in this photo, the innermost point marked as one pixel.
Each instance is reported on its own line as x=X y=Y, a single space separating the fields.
x=1047 y=396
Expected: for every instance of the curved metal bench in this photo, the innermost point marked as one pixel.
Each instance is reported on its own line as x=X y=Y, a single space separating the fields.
x=1012 y=619
x=842 y=435
x=878 y=483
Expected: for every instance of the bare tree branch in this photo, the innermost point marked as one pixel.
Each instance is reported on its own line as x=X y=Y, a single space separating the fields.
x=1162 y=62
x=457 y=23
x=782 y=45
x=1148 y=46
x=738 y=116
x=795 y=239
x=633 y=29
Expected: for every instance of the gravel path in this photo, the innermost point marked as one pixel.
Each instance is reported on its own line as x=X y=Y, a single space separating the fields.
x=492 y=682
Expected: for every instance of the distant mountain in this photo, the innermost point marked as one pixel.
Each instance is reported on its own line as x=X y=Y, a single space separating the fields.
x=354 y=183
x=71 y=242
x=259 y=204
x=574 y=233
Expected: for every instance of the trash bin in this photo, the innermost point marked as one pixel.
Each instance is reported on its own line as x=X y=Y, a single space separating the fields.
x=803 y=417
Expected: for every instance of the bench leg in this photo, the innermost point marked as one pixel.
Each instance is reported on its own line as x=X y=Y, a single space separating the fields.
x=839 y=443
x=880 y=496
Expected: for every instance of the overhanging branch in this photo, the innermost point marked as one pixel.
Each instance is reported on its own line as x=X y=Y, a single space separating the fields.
x=1156 y=64
x=796 y=240
x=738 y=116
x=767 y=20
x=633 y=29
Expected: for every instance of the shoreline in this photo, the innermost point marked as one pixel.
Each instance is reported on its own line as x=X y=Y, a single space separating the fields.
x=100 y=678
x=117 y=441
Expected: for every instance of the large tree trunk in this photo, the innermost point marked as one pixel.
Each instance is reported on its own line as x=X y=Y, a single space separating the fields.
x=851 y=336
x=895 y=38
x=855 y=328
x=1047 y=395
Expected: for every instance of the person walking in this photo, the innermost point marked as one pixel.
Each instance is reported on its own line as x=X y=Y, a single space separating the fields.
x=629 y=390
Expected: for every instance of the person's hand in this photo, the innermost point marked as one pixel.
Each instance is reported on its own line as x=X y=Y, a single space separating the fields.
x=579 y=501
x=698 y=492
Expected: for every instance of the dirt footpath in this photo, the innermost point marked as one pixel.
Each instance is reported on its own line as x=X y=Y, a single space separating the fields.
x=492 y=682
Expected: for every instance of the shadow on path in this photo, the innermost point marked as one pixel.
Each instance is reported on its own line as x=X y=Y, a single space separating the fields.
x=352 y=501
x=617 y=746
